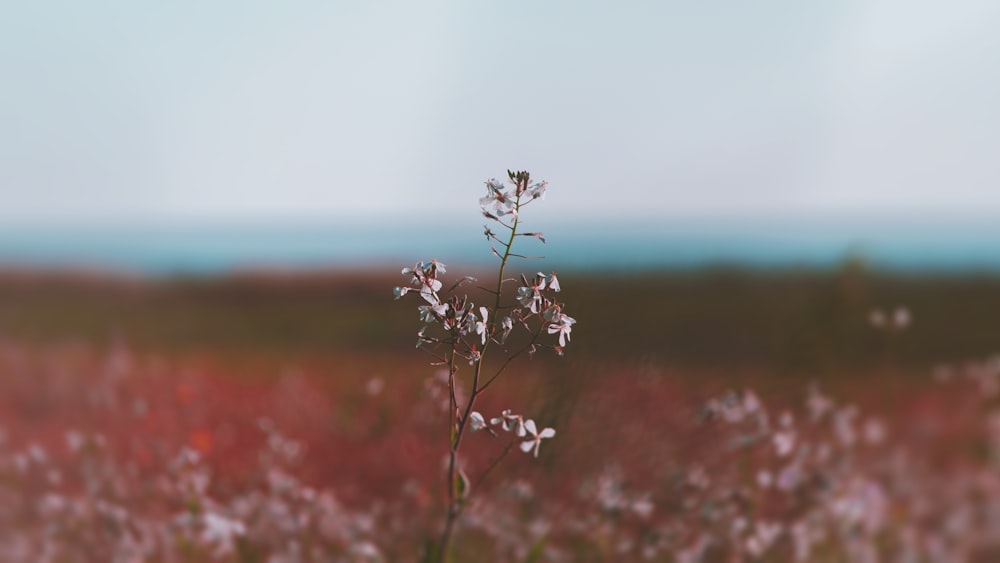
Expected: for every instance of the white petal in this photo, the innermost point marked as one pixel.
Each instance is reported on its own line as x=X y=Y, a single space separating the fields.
x=554 y=283
x=428 y=295
x=485 y=313
x=529 y=426
x=476 y=421
x=547 y=433
x=526 y=446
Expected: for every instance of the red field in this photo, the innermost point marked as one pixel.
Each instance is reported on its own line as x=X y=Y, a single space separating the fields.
x=167 y=452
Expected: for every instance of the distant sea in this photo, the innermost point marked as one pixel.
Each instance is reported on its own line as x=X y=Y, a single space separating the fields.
x=614 y=245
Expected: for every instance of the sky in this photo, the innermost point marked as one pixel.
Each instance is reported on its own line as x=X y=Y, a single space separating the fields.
x=392 y=112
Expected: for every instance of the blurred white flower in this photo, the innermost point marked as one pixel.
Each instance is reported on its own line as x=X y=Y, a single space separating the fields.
x=476 y=421
x=221 y=532
x=818 y=404
x=874 y=431
x=784 y=442
x=763 y=537
x=789 y=477
x=374 y=386
x=764 y=479
x=751 y=403
x=843 y=425
x=698 y=478
x=75 y=441
x=537 y=190
x=643 y=507
x=901 y=318
x=876 y=318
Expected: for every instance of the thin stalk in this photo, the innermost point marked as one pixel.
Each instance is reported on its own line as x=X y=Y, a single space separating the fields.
x=494 y=463
x=510 y=359
x=454 y=506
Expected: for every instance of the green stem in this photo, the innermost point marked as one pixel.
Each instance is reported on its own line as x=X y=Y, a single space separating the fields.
x=454 y=506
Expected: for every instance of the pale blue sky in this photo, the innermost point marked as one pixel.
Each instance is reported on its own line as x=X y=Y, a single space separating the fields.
x=126 y=112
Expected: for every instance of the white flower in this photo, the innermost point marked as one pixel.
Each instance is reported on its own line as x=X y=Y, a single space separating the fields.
x=554 y=282
x=510 y=421
x=429 y=291
x=497 y=201
x=538 y=190
x=481 y=327
x=564 y=326
x=420 y=336
x=507 y=325
x=526 y=298
x=476 y=421
x=764 y=479
x=534 y=436
x=429 y=314
x=531 y=295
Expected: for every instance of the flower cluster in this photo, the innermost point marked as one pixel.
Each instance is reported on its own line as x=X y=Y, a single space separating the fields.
x=898 y=320
x=502 y=200
x=456 y=315
x=758 y=477
x=518 y=425
x=453 y=329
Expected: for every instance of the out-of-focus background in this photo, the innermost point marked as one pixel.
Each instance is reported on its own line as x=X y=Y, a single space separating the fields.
x=203 y=210
x=740 y=185
x=197 y=137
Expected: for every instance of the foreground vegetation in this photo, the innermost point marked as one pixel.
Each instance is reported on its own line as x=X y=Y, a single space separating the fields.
x=111 y=455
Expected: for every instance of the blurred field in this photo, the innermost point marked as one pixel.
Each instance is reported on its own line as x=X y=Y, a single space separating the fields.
x=802 y=323
x=295 y=405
